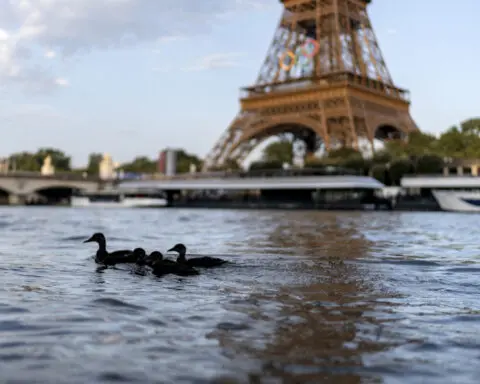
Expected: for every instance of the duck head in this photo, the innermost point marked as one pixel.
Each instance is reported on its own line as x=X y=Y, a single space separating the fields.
x=179 y=248
x=140 y=253
x=156 y=255
x=97 y=238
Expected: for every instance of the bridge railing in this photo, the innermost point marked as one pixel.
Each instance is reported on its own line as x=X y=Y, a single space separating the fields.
x=67 y=176
x=259 y=173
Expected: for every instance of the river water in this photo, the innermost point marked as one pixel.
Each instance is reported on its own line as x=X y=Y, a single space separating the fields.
x=310 y=297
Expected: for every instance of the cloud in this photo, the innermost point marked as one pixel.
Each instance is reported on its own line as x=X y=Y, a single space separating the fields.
x=66 y=27
x=215 y=61
x=62 y=82
x=50 y=54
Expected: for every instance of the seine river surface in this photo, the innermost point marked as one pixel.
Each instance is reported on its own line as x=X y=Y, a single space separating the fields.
x=310 y=297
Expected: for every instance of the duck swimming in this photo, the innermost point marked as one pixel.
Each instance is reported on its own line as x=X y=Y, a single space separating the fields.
x=161 y=266
x=110 y=258
x=142 y=258
x=205 y=261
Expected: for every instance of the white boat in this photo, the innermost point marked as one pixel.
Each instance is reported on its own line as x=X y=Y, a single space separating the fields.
x=458 y=201
x=119 y=199
x=452 y=193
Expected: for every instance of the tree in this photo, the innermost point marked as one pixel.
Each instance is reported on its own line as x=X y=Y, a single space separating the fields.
x=141 y=164
x=454 y=143
x=379 y=172
x=24 y=161
x=94 y=160
x=396 y=148
x=420 y=144
x=471 y=126
x=184 y=160
x=343 y=153
x=358 y=164
x=381 y=157
x=60 y=160
x=398 y=169
x=429 y=164
x=27 y=161
x=279 y=151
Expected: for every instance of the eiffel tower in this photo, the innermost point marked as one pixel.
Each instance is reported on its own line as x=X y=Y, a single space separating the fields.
x=324 y=81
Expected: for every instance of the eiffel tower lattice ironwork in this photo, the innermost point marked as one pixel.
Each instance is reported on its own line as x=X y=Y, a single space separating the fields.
x=324 y=80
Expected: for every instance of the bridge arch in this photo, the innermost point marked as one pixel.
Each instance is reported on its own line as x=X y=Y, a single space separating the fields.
x=53 y=193
x=4 y=196
x=57 y=187
x=40 y=185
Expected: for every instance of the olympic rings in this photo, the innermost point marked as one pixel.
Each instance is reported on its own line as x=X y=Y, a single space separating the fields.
x=315 y=49
x=294 y=58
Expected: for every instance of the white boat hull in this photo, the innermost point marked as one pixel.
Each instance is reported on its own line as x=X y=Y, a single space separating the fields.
x=127 y=202
x=458 y=201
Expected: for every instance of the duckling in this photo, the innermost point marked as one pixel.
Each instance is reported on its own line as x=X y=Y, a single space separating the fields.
x=205 y=261
x=157 y=256
x=161 y=266
x=142 y=258
x=109 y=258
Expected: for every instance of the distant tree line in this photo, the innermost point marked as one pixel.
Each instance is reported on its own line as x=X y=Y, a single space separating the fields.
x=29 y=161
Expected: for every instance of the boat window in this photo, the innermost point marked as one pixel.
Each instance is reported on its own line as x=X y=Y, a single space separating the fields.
x=104 y=198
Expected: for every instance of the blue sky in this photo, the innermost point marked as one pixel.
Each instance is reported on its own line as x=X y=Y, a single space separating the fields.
x=71 y=79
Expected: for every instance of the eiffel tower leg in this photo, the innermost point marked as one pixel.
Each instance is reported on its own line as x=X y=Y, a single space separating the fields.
x=351 y=122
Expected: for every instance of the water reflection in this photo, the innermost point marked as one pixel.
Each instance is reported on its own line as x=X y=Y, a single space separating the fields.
x=324 y=327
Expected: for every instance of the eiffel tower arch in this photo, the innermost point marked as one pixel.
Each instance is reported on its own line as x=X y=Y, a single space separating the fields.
x=324 y=80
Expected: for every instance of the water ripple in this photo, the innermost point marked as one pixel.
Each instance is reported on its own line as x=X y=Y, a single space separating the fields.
x=309 y=297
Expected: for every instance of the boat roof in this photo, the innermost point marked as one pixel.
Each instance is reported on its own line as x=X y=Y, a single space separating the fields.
x=255 y=183
x=116 y=191
x=440 y=181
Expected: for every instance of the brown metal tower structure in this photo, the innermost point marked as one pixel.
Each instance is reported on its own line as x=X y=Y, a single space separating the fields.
x=324 y=80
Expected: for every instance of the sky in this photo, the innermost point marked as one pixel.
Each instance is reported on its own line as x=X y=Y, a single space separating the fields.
x=131 y=77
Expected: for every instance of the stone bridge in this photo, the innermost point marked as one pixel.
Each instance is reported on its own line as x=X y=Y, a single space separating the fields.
x=18 y=186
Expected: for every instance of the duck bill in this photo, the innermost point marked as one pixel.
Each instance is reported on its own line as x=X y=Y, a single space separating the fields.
x=171 y=249
x=89 y=240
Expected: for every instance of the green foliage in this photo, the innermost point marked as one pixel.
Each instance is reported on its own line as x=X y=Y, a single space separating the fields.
x=429 y=164
x=382 y=157
x=399 y=168
x=229 y=165
x=357 y=164
x=315 y=162
x=265 y=165
x=27 y=161
x=343 y=153
x=184 y=159
x=279 y=151
x=94 y=160
x=379 y=172
x=471 y=126
x=141 y=164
